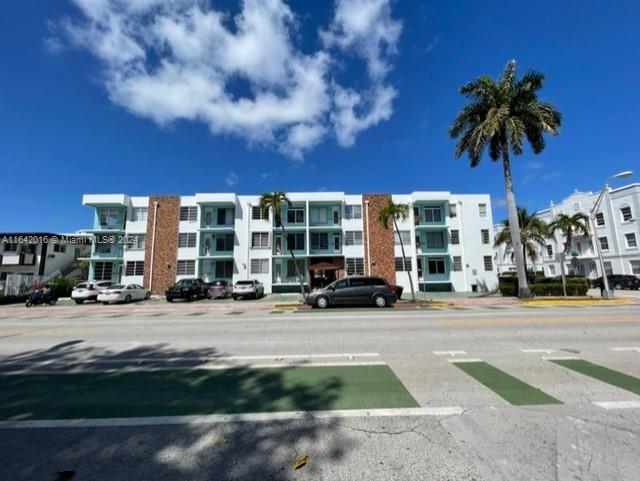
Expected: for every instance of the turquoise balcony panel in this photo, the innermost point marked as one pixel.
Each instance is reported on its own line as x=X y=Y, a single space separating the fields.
x=430 y=214
x=109 y=218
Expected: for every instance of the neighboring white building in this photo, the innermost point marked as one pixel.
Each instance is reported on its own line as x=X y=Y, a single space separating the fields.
x=617 y=228
x=448 y=240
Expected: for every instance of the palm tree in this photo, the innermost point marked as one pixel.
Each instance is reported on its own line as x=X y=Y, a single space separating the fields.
x=570 y=225
x=502 y=113
x=271 y=202
x=395 y=212
x=533 y=234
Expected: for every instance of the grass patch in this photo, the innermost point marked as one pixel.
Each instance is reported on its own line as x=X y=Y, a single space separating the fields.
x=234 y=313
x=200 y=313
x=601 y=373
x=510 y=388
x=192 y=392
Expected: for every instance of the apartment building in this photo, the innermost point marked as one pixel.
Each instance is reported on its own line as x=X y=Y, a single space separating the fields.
x=156 y=240
x=617 y=230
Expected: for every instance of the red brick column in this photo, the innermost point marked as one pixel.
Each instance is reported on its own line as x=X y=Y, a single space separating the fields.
x=166 y=242
x=381 y=246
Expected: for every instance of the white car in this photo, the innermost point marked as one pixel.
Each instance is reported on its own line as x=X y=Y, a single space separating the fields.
x=122 y=293
x=88 y=290
x=242 y=289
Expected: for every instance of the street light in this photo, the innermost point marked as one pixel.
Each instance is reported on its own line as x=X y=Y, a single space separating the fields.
x=606 y=293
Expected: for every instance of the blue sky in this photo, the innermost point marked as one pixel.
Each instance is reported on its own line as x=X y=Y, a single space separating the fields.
x=70 y=124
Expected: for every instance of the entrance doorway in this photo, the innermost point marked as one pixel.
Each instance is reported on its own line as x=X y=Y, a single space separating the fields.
x=323 y=273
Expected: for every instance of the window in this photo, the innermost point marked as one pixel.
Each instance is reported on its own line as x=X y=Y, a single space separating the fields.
x=353 y=238
x=225 y=216
x=186 y=268
x=139 y=214
x=626 y=213
x=187 y=239
x=259 y=266
x=457 y=263
x=136 y=241
x=102 y=271
x=224 y=269
x=110 y=218
x=353 y=211
x=435 y=240
x=343 y=284
x=436 y=265
x=257 y=214
x=432 y=213
x=552 y=270
x=604 y=243
x=336 y=242
x=295 y=241
x=134 y=268
x=455 y=236
x=355 y=266
x=632 y=243
x=488 y=263
x=608 y=268
x=103 y=248
x=224 y=243
x=405 y=235
x=319 y=215
x=403 y=266
x=295 y=216
x=453 y=210
x=292 y=272
x=482 y=210
x=319 y=240
x=11 y=247
x=59 y=248
x=485 y=236
x=549 y=248
x=635 y=267
x=600 y=219
x=259 y=240
x=188 y=214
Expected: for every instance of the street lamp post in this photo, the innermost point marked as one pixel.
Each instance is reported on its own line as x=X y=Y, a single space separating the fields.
x=606 y=293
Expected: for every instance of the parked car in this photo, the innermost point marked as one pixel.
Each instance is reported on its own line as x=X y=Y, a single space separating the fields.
x=354 y=291
x=219 y=289
x=187 y=289
x=88 y=290
x=252 y=288
x=123 y=293
x=619 y=281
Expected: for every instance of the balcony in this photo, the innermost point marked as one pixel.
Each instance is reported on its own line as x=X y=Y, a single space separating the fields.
x=325 y=243
x=433 y=242
x=325 y=215
x=114 y=252
x=430 y=215
x=217 y=218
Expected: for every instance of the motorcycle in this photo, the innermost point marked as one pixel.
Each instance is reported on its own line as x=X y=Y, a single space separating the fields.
x=39 y=298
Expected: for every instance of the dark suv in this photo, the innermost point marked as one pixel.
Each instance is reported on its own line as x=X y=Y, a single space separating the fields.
x=354 y=291
x=619 y=281
x=188 y=289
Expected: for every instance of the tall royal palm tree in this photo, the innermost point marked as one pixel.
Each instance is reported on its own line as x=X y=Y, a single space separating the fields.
x=533 y=234
x=502 y=114
x=570 y=226
x=271 y=202
x=394 y=212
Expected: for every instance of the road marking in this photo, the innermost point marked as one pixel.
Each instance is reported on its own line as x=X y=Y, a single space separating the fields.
x=537 y=351
x=458 y=360
x=449 y=353
x=618 y=404
x=559 y=358
x=230 y=418
x=602 y=373
x=623 y=349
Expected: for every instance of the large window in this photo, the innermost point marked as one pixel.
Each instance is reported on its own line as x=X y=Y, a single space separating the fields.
x=355 y=266
x=432 y=213
x=436 y=265
x=186 y=268
x=295 y=215
x=224 y=243
x=188 y=214
x=319 y=240
x=11 y=247
x=457 y=263
x=600 y=219
x=292 y=273
x=259 y=240
x=435 y=240
x=405 y=235
x=402 y=266
x=319 y=215
x=134 y=268
x=225 y=216
x=259 y=266
x=455 y=236
x=626 y=214
x=110 y=217
x=295 y=241
x=137 y=242
x=224 y=269
x=484 y=233
x=139 y=214
x=187 y=239
x=632 y=243
x=353 y=211
x=353 y=238
x=488 y=263
x=102 y=271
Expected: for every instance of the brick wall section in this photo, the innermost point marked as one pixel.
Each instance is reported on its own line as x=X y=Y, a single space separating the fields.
x=381 y=247
x=166 y=242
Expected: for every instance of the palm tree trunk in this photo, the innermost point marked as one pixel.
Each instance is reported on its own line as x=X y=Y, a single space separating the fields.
x=295 y=263
x=514 y=226
x=524 y=258
x=404 y=262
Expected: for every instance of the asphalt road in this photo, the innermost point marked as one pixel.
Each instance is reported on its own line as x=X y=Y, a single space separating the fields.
x=486 y=439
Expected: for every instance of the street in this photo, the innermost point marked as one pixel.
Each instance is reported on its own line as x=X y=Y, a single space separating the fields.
x=483 y=393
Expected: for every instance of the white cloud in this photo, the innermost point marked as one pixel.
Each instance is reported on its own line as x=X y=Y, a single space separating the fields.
x=170 y=60
x=534 y=165
x=231 y=179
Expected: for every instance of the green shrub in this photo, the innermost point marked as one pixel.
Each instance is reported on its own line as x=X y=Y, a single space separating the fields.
x=508 y=285
x=551 y=286
x=62 y=286
x=12 y=299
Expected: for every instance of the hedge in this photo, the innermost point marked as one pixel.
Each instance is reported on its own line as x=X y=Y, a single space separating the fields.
x=552 y=286
x=13 y=299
